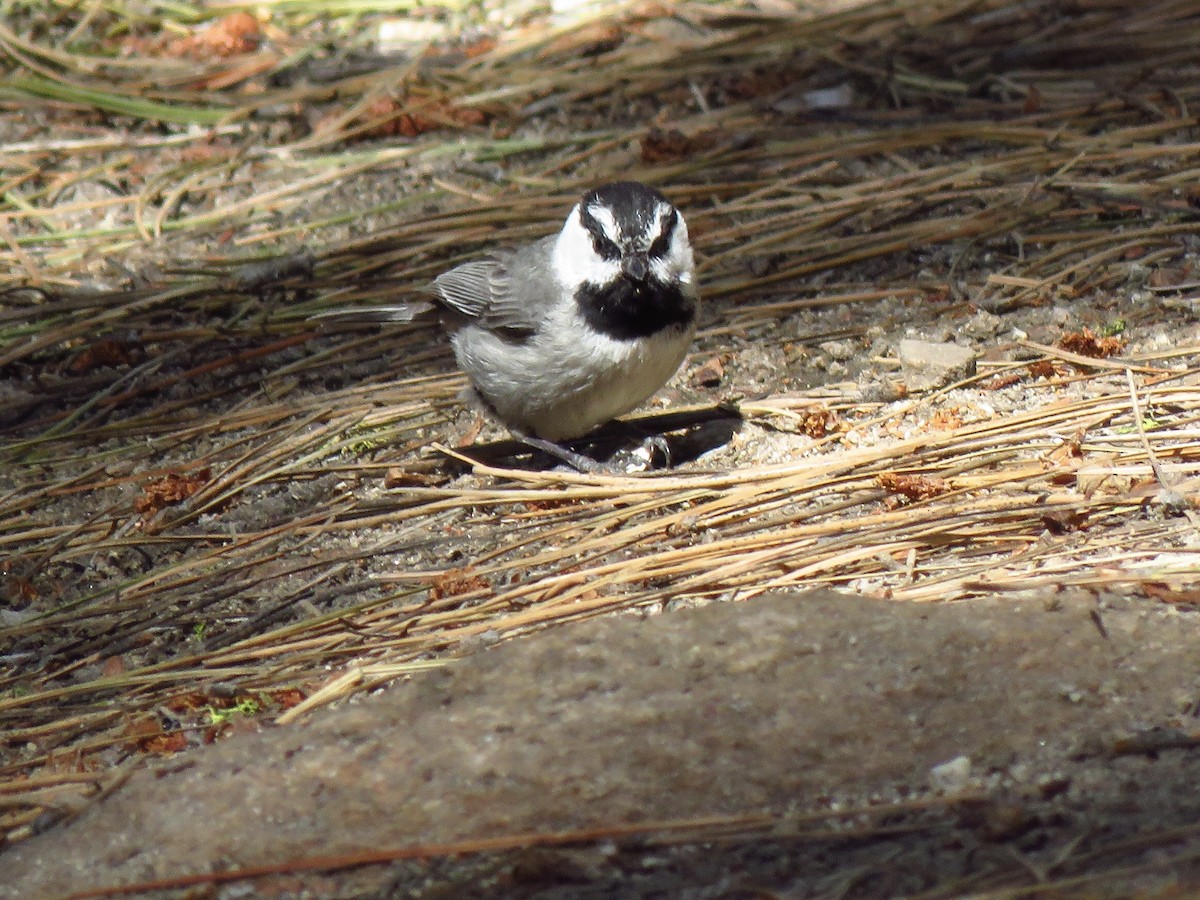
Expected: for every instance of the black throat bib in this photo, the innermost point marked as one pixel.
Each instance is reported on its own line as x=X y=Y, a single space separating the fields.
x=625 y=310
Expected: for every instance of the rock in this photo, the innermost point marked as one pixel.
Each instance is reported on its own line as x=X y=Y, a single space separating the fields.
x=952 y=776
x=779 y=703
x=839 y=350
x=983 y=325
x=927 y=365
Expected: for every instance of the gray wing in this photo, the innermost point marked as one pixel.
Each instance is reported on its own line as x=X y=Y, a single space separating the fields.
x=485 y=291
x=473 y=288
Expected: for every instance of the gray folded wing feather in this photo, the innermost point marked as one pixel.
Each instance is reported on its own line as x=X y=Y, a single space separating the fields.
x=485 y=291
x=482 y=291
x=474 y=287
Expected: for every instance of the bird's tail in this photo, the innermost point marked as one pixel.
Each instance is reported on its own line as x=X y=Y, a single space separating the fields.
x=364 y=315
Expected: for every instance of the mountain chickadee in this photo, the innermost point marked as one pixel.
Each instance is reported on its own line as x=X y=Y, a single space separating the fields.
x=564 y=334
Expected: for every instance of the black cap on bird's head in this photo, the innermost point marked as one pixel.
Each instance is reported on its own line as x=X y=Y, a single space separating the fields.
x=630 y=201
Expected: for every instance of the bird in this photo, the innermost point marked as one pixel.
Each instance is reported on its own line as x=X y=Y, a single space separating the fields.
x=567 y=333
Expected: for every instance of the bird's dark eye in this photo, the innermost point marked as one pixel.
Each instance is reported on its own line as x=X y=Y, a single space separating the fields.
x=604 y=247
x=659 y=248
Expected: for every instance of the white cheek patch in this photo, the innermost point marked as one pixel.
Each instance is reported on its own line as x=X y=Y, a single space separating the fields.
x=575 y=260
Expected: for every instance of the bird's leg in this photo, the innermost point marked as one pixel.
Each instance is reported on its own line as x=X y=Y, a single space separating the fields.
x=622 y=463
x=576 y=461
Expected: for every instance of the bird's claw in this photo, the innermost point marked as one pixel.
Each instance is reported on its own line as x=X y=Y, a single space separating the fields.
x=644 y=458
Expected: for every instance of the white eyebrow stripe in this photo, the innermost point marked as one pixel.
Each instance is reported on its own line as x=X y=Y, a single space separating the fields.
x=608 y=222
x=662 y=213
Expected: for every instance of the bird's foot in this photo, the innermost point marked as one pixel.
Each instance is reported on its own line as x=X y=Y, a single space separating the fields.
x=653 y=453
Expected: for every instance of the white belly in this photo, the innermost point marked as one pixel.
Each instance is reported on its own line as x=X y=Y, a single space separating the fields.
x=558 y=385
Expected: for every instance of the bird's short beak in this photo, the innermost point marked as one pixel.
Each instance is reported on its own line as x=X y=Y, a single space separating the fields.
x=635 y=266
